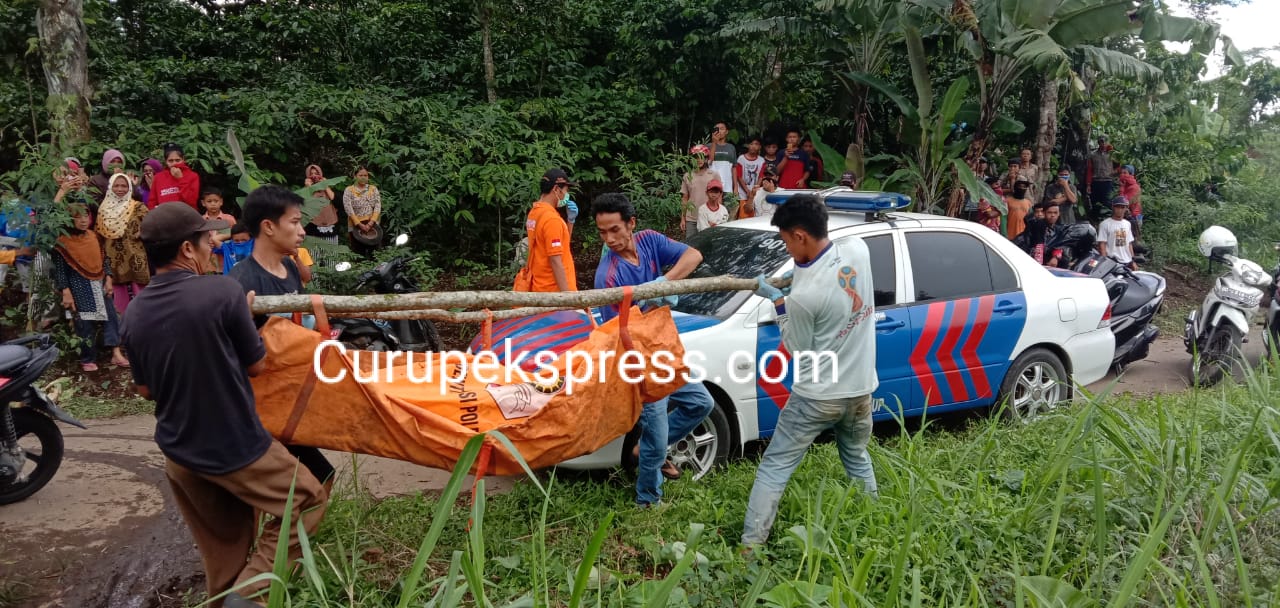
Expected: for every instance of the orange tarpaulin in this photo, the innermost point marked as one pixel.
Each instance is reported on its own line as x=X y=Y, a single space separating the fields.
x=411 y=418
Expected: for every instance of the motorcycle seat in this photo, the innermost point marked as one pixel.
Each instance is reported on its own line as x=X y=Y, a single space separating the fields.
x=1138 y=292
x=13 y=357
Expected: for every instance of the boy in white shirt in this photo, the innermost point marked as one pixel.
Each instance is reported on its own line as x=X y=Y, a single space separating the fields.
x=714 y=212
x=1115 y=234
x=768 y=185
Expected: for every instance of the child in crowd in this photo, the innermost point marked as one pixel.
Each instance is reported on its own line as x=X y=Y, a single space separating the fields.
x=82 y=273
x=231 y=250
x=817 y=171
x=211 y=206
x=768 y=184
x=771 y=157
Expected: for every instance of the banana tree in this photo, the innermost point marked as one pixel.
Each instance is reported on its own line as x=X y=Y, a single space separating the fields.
x=1008 y=38
x=936 y=153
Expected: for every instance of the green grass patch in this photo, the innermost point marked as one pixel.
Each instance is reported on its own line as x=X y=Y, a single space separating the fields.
x=89 y=407
x=1169 y=501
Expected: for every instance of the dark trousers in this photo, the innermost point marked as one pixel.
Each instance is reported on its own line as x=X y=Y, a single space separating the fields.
x=1100 y=193
x=314 y=461
x=222 y=513
x=87 y=330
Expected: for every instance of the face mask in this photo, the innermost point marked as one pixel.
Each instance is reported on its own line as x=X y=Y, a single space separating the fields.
x=1065 y=178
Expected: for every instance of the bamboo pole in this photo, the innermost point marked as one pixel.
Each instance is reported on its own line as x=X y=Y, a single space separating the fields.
x=436 y=305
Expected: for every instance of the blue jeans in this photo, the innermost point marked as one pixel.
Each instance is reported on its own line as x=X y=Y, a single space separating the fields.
x=660 y=430
x=800 y=422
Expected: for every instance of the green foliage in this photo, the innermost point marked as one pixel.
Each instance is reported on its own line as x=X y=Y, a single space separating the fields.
x=1164 y=501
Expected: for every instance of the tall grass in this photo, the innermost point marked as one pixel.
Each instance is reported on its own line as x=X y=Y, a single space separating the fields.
x=1169 y=501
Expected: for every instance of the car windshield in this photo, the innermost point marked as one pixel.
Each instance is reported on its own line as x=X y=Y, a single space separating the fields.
x=732 y=251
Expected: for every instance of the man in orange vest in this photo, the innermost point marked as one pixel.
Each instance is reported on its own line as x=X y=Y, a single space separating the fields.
x=550 y=266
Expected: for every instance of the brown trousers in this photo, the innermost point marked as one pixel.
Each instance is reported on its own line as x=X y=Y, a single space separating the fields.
x=222 y=510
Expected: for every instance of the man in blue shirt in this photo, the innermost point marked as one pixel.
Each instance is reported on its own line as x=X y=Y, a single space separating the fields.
x=632 y=259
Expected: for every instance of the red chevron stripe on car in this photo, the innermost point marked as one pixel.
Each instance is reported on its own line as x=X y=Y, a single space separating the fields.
x=969 y=352
x=920 y=354
x=953 y=372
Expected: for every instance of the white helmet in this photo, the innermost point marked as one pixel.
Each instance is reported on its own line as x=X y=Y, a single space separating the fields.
x=1216 y=237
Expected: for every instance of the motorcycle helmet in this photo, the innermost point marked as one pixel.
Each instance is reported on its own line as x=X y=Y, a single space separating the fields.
x=1216 y=240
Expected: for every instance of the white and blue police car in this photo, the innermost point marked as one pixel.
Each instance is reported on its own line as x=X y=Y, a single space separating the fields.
x=964 y=319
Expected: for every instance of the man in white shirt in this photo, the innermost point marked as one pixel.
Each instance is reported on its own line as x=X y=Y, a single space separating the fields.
x=714 y=212
x=1115 y=234
x=828 y=327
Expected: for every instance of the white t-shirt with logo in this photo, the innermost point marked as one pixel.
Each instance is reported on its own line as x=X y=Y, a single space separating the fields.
x=1118 y=235
x=830 y=318
x=750 y=173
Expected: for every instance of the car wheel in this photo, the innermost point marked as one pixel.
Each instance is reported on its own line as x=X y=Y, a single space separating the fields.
x=698 y=453
x=1035 y=385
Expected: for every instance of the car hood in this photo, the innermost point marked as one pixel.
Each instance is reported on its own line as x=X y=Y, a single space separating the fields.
x=557 y=332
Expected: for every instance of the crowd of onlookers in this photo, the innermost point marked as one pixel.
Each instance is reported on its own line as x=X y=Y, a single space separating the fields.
x=100 y=264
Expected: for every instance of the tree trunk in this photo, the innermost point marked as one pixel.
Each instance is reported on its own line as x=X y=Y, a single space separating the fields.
x=64 y=56
x=964 y=18
x=432 y=304
x=1047 y=134
x=490 y=74
x=1079 y=126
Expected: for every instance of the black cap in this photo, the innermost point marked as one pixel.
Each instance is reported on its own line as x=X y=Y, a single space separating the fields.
x=556 y=175
x=848 y=179
x=176 y=221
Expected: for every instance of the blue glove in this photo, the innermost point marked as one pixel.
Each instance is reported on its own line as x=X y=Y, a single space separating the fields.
x=767 y=291
x=671 y=300
x=573 y=211
x=786 y=291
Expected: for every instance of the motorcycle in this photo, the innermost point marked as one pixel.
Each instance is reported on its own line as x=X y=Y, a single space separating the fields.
x=28 y=411
x=418 y=335
x=1136 y=299
x=1214 y=332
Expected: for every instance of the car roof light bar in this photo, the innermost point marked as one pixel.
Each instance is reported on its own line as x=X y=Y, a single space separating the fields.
x=847 y=199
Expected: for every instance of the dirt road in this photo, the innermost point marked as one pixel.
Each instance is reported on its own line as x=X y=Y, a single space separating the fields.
x=105 y=532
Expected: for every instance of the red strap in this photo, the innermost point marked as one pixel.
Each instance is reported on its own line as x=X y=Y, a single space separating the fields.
x=624 y=312
x=486 y=331
x=482 y=467
x=322 y=318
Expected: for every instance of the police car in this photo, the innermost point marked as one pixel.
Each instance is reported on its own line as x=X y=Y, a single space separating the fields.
x=964 y=319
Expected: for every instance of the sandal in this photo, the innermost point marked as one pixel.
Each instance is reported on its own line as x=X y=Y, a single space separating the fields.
x=120 y=363
x=89 y=367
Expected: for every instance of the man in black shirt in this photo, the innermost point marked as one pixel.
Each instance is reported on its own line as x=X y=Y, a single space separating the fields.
x=192 y=344
x=273 y=216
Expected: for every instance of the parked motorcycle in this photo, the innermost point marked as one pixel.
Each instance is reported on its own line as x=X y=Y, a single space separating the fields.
x=1136 y=298
x=31 y=415
x=1215 y=332
x=392 y=276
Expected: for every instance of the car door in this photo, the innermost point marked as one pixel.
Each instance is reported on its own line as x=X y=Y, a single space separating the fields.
x=967 y=313
x=775 y=372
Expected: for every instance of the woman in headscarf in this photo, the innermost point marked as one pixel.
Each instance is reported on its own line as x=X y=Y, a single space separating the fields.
x=325 y=223
x=363 y=204
x=177 y=183
x=142 y=189
x=120 y=224
x=112 y=162
x=82 y=273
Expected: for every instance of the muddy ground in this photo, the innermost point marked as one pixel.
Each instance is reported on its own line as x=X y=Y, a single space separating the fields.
x=105 y=532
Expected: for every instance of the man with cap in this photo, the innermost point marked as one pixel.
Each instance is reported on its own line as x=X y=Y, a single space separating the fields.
x=193 y=345
x=849 y=180
x=714 y=212
x=693 y=190
x=1115 y=234
x=550 y=265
